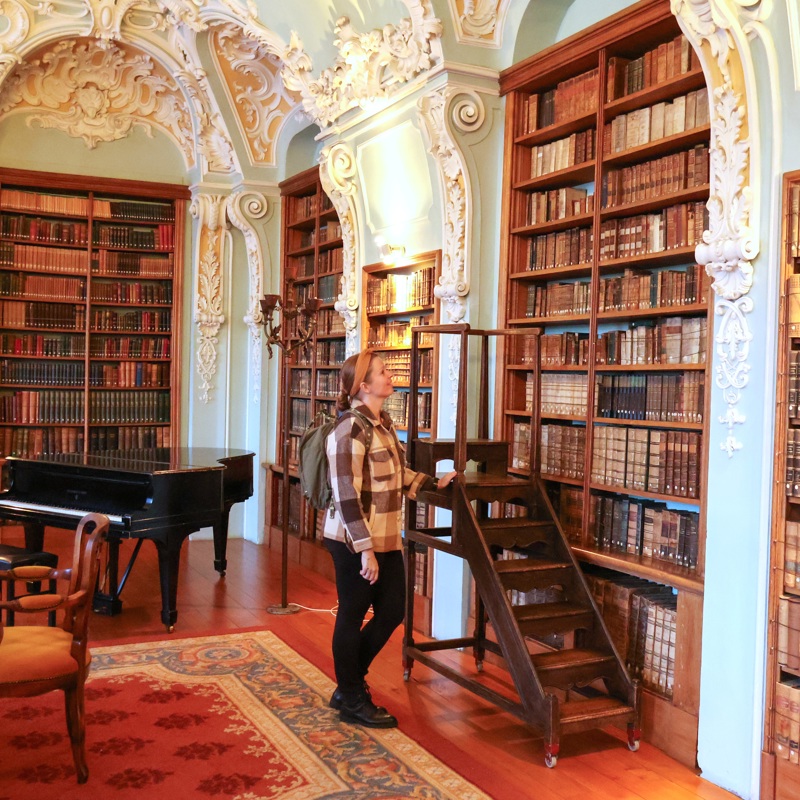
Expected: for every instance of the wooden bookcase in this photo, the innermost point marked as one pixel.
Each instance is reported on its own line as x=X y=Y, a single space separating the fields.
x=605 y=184
x=312 y=266
x=396 y=298
x=780 y=774
x=90 y=313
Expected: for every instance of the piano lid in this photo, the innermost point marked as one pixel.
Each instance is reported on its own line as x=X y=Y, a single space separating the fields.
x=151 y=461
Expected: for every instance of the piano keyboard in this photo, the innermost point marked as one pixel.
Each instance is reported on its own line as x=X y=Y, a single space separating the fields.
x=77 y=513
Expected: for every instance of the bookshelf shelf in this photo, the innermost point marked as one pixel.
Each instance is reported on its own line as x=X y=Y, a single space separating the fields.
x=632 y=243
x=84 y=249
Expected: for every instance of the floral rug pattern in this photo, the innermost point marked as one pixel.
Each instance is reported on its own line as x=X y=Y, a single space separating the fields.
x=238 y=716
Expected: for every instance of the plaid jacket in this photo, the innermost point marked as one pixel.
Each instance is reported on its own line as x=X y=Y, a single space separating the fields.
x=367 y=488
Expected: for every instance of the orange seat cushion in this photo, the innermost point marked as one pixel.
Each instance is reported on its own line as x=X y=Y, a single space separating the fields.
x=31 y=653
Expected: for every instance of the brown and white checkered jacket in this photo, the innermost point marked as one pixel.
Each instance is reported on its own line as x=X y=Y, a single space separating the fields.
x=368 y=487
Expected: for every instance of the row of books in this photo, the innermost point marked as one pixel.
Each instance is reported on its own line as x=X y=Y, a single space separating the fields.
x=42 y=345
x=557 y=204
x=397 y=292
x=655 y=178
x=668 y=60
x=328 y=383
x=329 y=231
x=396 y=407
x=133 y=437
x=528 y=597
x=787 y=720
x=300 y=382
x=330 y=260
x=680 y=225
x=398 y=334
x=301 y=414
x=658 y=398
x=674 y=340
x=330 y=322
x=569 y=502
x=569 y=349
x=521 y=445
x=107 y=319
x=571 y=98
x=41 y=372
x=642 y=619
x=30 y=442
x=42 y=259
x=48 y=203
x=41 y=287
x=108 y=262
x=301 y=239
x=561 y=393
x=637 y=289
x=126 y=407
x=793 y=385
x=789 y=632
x=331 y=353
x=793 y=221
x=558 y=299
x=135 y=292
x=129 y=374
x=659 y=121
x=161 y=237
x=399 y=364
x=563 y=450
x=791 y=557
x=792 y=460
x=301 y=208
x=640 y=459
x=129 y=347
x=62 y=406
x=569 y=151
x=17 y=314
x=559 y=249
x=301 y=266
x=133 y=210
x=36 y=229
x=644 y=528
x=328 y=288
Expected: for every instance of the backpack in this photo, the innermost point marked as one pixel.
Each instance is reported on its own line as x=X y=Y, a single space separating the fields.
x=315 y=482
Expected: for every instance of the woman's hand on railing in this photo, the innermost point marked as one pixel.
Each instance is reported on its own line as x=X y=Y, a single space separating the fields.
x=446 y=480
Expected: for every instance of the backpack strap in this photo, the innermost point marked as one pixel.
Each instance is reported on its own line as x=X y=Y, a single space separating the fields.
x=367 y=427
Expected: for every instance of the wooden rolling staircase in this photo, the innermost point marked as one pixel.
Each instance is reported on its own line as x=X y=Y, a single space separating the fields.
x=584 y=684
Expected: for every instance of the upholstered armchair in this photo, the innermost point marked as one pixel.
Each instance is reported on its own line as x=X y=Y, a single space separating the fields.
x=35 y=659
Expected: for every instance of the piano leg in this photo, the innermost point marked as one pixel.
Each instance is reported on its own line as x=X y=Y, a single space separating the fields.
x=34 y=536
x=221 y=541
x=169 y=561
x=108 y=603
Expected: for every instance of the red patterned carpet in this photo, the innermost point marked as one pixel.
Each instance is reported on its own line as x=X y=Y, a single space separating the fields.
x=237 y=716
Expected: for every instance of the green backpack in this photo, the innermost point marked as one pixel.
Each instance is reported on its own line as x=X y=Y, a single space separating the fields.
x=315 y=481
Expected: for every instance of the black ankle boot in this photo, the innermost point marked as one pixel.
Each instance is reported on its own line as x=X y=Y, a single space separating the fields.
x=365 y=712
x=338 y=698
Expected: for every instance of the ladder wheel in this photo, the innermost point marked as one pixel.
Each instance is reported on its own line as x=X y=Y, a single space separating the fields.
x=634 y=737
x=407 y=674
x=479 y=665
x=550 y=760
x=633 y=745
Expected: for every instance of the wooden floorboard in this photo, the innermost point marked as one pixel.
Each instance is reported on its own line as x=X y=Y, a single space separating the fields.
x=492 y=748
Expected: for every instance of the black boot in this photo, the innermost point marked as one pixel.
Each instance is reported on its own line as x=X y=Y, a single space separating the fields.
x=338 y=698
x=361 y=710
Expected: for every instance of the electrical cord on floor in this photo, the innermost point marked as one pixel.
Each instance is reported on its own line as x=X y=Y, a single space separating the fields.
x=331 y=611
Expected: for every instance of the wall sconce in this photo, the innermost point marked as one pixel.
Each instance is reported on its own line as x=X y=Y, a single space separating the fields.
x=390 y=254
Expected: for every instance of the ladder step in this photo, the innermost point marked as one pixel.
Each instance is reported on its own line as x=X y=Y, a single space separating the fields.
x=524 y=574
x=544 y=619
x=509 y=533
x=563 y=669
x=592 y=712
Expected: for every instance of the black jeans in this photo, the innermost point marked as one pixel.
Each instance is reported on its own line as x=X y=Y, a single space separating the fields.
x=354 y=647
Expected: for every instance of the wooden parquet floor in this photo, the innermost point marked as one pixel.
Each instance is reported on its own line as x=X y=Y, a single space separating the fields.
x=490 y=747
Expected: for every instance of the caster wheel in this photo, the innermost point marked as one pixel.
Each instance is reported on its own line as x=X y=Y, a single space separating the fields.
x=479 y=666
x=406 y=675
x=550 y=760
x=633 y=746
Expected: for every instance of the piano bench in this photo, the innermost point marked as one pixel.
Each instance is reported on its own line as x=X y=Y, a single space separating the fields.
x=11 y=557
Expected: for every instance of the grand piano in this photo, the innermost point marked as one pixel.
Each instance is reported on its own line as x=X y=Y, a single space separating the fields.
x=162 y=494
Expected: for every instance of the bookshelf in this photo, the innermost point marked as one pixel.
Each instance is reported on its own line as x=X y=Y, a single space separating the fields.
x=311 y=244
x=396 y=298
x=606 y=176
x=90 y=313
x=780 y=773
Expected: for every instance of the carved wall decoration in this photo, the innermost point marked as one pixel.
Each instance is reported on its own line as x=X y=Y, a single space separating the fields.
x=98 y=94
x=479 y=22
x=243 y=206
x=368 y=65
x=720 y=31
x=337 y=172
x=251 y=76
x=209 y=211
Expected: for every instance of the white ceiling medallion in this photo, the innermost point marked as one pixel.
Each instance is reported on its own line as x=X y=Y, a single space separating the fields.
x=251 y=77
x=720 y=31
x=98 y=93
x=337 y=172
x=367 y=66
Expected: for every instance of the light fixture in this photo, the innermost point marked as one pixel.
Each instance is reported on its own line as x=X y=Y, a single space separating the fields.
x=390 y=254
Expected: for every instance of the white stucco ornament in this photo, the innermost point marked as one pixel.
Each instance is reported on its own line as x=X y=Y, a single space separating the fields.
x=367 y=66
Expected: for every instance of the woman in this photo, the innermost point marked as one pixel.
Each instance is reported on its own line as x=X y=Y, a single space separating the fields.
x=363 y=532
